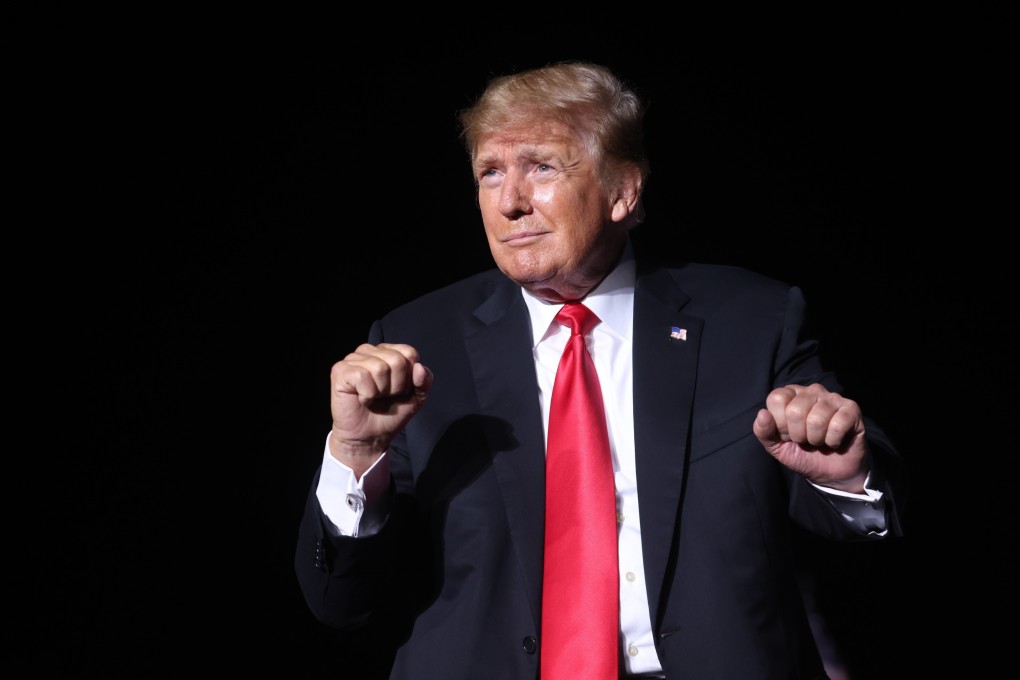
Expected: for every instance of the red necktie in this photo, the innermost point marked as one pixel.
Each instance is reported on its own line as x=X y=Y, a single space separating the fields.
x=581 y=591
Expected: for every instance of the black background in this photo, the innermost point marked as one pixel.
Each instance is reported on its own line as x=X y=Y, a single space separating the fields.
x=222 y=216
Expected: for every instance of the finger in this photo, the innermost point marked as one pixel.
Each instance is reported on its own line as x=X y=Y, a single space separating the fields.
x=808 y=413
x=765 y=428
x=365 y=377
x=403 y=365
x=818 y=417
x=422 y=378
x=389 y=366
x=845 y=423
x=350 y=377
x=817 y=420
x=407 y=351
x=776 y=403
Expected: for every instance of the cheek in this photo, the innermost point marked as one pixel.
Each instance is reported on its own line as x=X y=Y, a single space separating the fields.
x=544 y=195
x=491 y=217
x=569 y=210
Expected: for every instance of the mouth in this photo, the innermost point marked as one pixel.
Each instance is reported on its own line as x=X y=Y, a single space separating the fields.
x=522 y=238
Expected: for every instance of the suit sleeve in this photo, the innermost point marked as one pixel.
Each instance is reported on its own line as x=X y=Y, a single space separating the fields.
x=798 y=362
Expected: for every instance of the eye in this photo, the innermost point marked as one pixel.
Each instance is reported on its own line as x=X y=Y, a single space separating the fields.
x=544 y=167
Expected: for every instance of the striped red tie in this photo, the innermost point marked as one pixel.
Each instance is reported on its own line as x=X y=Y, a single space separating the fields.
x=580 y=595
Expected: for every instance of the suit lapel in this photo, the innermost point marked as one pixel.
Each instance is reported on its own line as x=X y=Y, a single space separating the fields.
x=504 y=374
x=666 y=344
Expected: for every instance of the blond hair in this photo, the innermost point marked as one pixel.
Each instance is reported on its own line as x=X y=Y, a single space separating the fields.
x=606 y=114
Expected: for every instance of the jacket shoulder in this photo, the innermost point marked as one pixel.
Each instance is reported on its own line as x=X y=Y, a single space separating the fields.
x=707 y=286
x=456 y=299
x=699 y=276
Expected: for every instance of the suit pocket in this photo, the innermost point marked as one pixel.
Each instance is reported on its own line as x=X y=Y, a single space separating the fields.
x=718 y=437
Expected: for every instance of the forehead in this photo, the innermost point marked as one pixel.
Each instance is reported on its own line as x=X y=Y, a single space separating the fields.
x=525 y=139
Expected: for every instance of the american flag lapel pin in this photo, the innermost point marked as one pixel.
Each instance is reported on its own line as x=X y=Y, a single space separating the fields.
x=678 y=333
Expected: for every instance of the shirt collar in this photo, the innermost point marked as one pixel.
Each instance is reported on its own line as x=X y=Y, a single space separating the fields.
x=612 y=301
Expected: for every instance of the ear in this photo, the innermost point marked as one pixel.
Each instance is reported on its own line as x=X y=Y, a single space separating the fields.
x=627 y=203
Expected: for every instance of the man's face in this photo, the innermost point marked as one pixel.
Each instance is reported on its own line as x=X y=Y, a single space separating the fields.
x=550 y=222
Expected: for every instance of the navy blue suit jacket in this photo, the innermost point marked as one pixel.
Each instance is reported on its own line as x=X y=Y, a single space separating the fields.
x=454 y=580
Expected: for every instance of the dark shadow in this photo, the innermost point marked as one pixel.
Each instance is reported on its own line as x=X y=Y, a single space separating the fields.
x=462 y=455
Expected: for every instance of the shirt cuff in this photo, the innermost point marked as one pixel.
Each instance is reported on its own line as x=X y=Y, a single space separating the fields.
x=352 y=506
x=865 y=511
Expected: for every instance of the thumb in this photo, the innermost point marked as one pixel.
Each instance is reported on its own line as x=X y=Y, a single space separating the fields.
x=422 y=378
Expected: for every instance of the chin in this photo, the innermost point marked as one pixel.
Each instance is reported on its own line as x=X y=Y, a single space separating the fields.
x=529 y=276
x=524 y=269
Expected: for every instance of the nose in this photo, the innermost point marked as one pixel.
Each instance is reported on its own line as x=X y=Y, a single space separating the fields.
x=514 y=195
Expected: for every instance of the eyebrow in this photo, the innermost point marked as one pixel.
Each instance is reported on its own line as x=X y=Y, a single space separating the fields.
x=530 y=151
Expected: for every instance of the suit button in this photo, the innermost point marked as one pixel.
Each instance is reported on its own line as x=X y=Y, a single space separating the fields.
x=530 y=645
x=320 y=563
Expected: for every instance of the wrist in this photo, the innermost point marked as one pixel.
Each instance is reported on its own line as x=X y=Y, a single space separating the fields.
x=358 y=455
x=854 y=484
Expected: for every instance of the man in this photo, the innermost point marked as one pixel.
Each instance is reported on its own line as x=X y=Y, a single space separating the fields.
x=424 y=527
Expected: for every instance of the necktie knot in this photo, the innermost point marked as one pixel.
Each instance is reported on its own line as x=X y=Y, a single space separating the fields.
x=580 y=319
